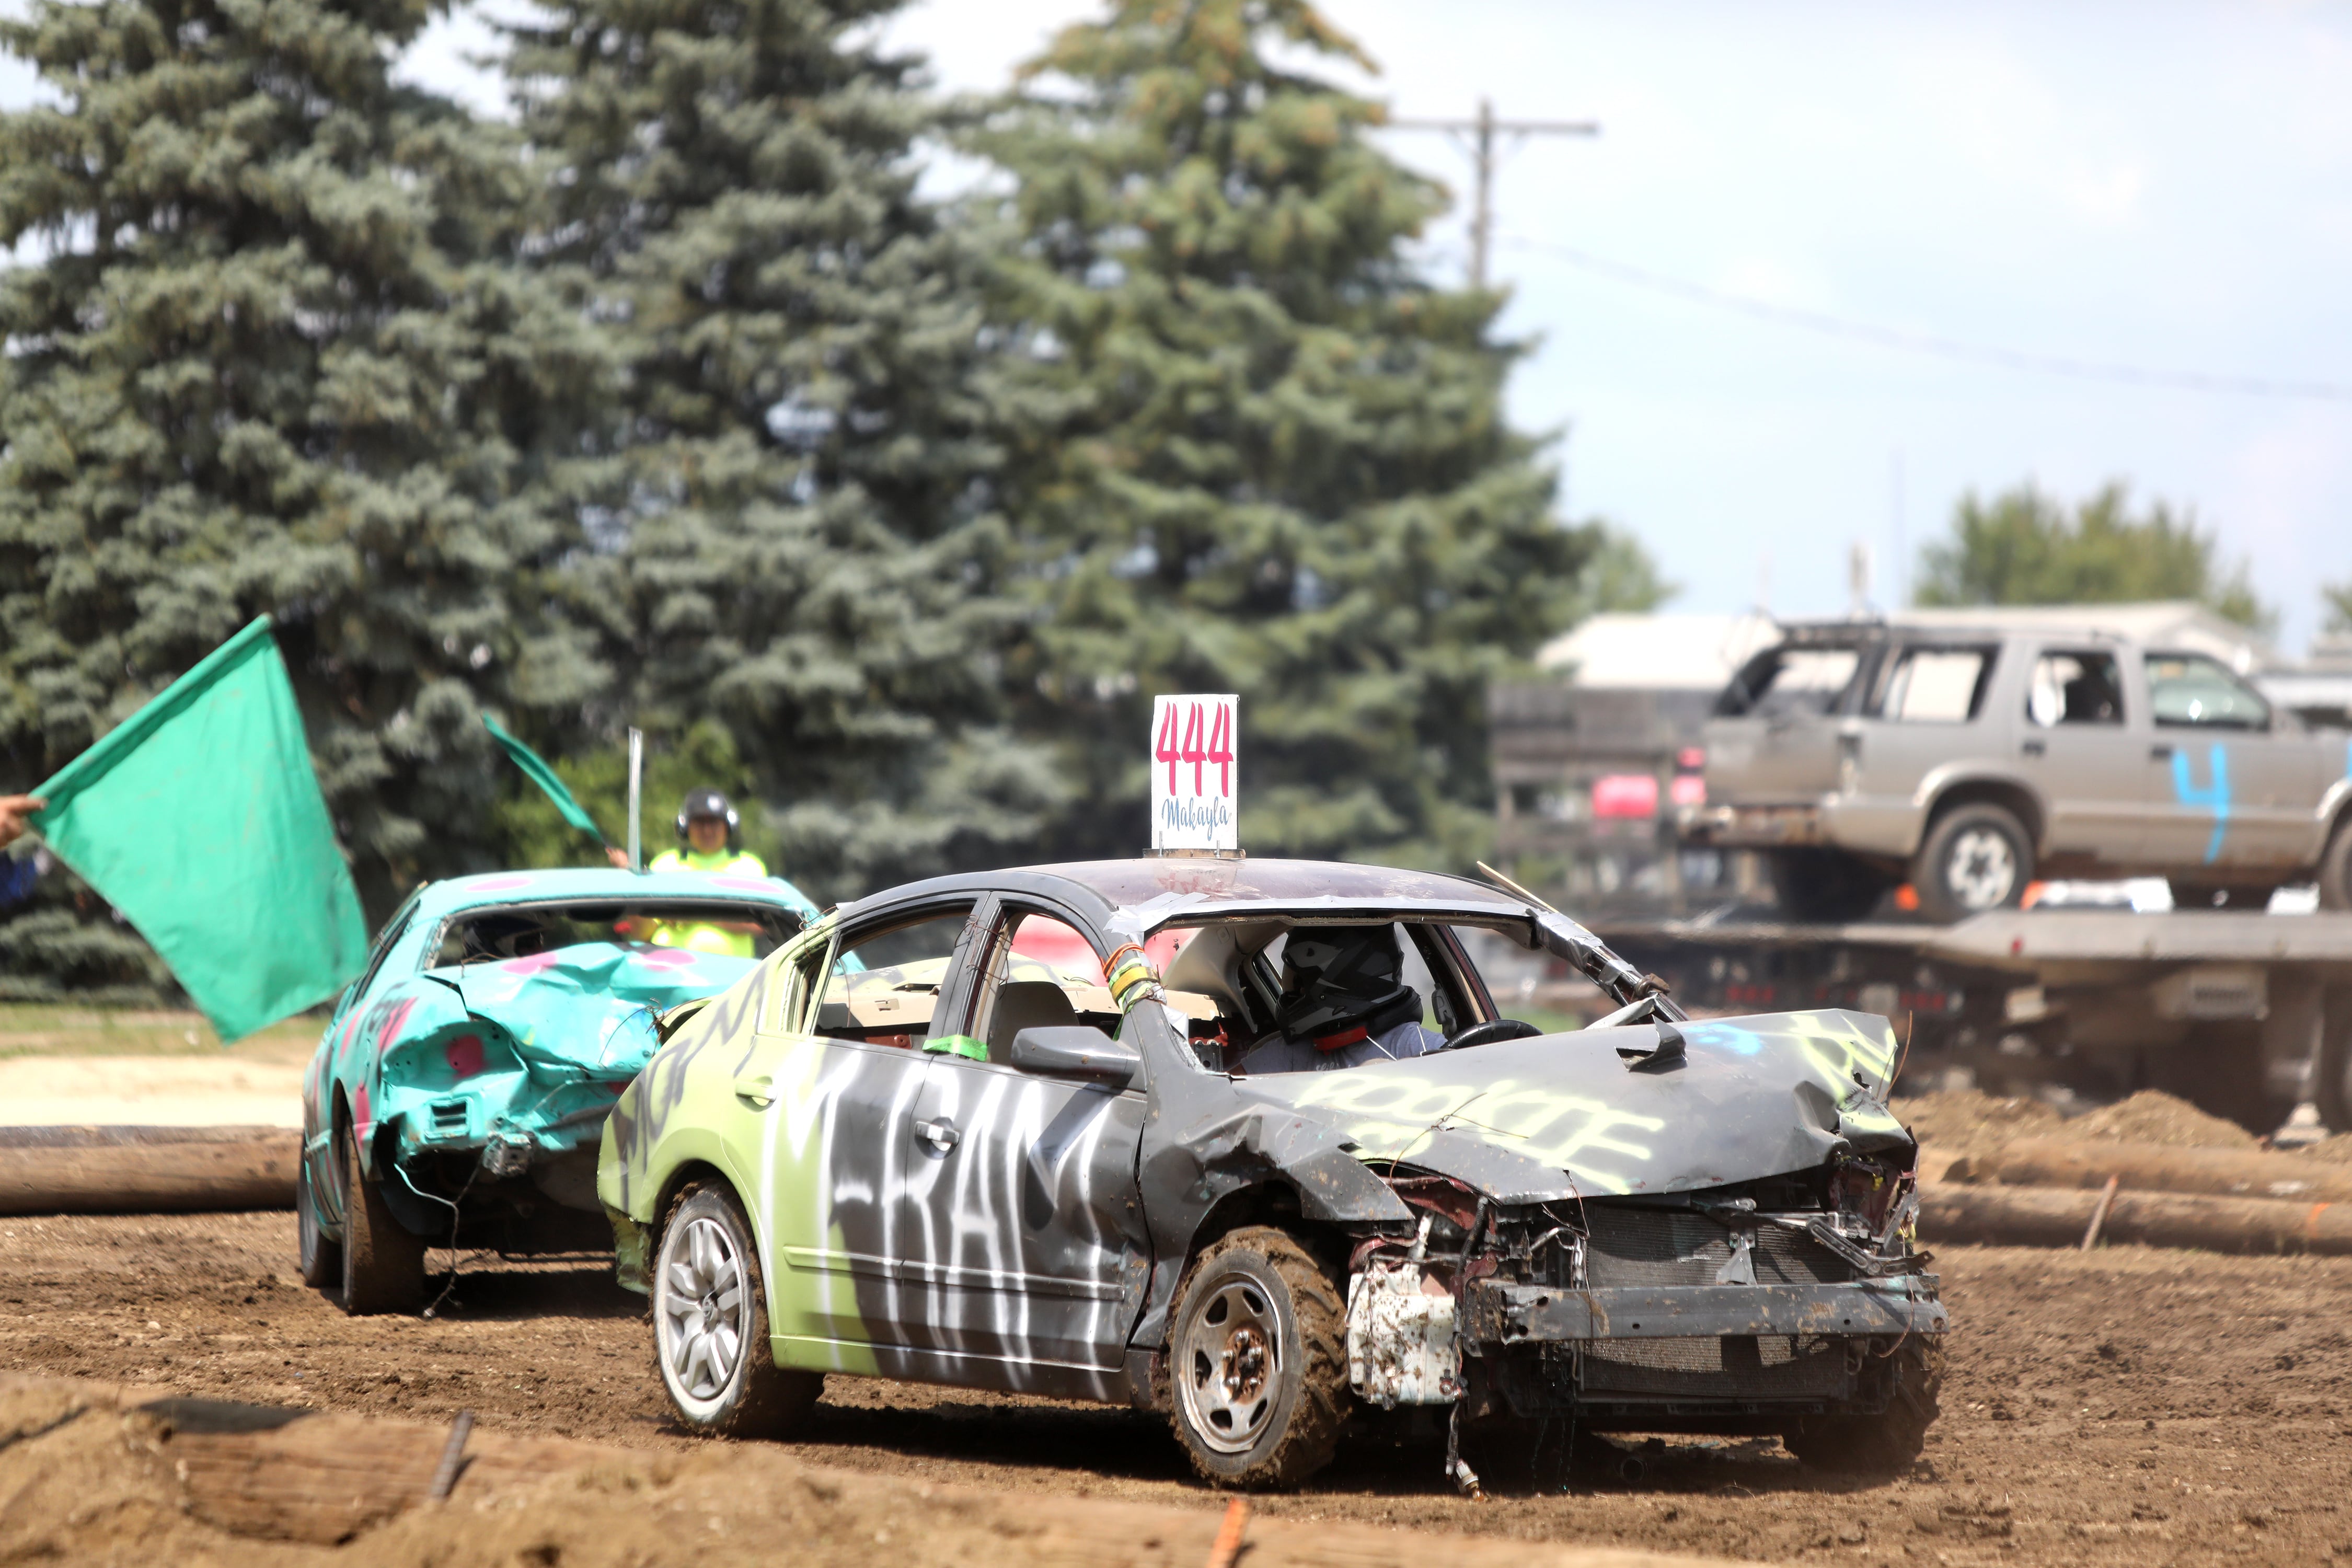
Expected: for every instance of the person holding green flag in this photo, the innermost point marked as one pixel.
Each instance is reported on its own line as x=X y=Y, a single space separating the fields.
x=15 y=809
x=706 y=821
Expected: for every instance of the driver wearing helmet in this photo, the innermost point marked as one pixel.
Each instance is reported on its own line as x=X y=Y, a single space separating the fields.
x=706 y=821
x=1343 y=1004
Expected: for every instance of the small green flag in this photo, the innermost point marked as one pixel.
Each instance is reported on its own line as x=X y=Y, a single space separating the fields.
x=200 y=819
x=535 y=768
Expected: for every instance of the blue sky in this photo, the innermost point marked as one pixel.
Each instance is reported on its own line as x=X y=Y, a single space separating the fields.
x=2166 y=186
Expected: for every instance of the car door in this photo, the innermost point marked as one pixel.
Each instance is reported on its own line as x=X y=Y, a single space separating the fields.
x=2230 y=792
x=1927 y=709
x=2083 y=743
x=1022 y=1208
x=834 y=1069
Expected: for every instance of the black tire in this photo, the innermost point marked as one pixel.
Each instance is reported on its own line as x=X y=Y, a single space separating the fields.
x=1258 y=1362
x=384 y=1262
x=321 y=1255
x=2334 y=1089
x=717 y=1388
x=1886 y=1443
x=2336 y=870
x=2219 y=1069
x=1824 y=885
x=1977 y=858
x=2238 y=898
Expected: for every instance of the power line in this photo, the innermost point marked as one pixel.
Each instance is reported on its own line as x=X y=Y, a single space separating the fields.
x=1478 y=136
x=1927 y=343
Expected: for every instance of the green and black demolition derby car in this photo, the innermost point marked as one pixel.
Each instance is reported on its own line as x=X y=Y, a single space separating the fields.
x=1290 y=1162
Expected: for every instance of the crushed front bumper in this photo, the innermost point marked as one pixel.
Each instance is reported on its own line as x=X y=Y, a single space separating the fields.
x=1502 y=1314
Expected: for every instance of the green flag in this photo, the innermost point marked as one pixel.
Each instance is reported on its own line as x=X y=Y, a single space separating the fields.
x=200 y=819
x=535 y=768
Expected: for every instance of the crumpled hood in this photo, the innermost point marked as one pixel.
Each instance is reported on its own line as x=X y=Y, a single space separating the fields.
x=591 y=1006
x=1526 y=1121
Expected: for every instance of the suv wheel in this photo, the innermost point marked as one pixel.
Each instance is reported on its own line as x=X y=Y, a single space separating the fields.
x=2336 y=870
x=1977 y=858
x=384 y=1262
x=1824 y=885
x=1259 y=1362
x=322 y=1257
x=710 y=1325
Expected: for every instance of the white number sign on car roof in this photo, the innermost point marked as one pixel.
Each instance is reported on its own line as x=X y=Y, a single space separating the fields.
x=1195 y=794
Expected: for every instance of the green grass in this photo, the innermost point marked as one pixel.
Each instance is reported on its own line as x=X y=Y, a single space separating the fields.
x=42 y=1029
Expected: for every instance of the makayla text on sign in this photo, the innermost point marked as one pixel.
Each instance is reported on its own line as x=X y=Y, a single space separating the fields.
x=1195 y=798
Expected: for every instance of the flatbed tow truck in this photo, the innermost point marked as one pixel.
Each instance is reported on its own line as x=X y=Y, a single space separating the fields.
x=2245 y=1015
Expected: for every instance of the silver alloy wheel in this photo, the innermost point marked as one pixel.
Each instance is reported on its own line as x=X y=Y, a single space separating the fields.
x=702 y=1315
x=1980 y=869
x=1229 y=1364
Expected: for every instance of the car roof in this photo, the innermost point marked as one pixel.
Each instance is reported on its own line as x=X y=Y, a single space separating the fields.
x=569 y=882
x=1193 y=885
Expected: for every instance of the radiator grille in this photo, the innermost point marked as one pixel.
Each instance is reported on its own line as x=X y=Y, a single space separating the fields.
x=1739 y=1366
x=1673 y=1246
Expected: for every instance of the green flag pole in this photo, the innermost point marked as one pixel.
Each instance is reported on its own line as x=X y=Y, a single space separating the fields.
x=200 y=818
x=534 y=768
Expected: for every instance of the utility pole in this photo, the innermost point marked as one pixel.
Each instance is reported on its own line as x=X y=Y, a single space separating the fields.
x=1478 y=136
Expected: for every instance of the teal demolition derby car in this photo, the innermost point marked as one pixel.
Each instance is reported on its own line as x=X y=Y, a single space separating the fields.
x=460 y=1094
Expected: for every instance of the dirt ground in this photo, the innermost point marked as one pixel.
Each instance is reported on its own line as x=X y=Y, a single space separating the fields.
x=2130 y=1405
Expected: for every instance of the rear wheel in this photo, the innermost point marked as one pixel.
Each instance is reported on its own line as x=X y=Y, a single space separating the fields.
x=2336 y=870
x=710 y=1325
x=1825 y=885
x=2333 y=1089
x=1977 y=858
x=1259 y=1362
x=1886 y=1443
x=322 y=1257
x=384 y=1262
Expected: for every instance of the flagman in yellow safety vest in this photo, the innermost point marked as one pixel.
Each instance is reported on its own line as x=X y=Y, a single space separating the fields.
x=706 y=821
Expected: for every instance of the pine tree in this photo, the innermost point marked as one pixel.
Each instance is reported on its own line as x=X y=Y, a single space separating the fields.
x=807 y=548
x=1276 y=461
x=273 y=353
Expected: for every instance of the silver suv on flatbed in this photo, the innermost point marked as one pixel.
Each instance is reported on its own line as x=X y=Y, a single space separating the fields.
x=1860 y=754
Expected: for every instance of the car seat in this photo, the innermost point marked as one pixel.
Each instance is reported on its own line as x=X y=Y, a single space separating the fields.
x=1025 y=1005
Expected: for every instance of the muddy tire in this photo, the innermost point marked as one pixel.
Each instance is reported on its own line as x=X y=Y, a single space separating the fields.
x=1825 y=885
x=1977 y=858
x=710 y=1325
x=1888 y=1443
x=1258 y=1362
x=384 y=1262
x=2336 y=870
x=322 y=1257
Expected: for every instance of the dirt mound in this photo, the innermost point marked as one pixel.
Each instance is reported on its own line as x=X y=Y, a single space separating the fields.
x=1958 y=1121
x=2153 y=1117
x=2334 y=1151
x=102 y=1472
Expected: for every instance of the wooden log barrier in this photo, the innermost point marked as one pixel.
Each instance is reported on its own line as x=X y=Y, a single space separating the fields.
x=2156 y=1167
x=145 y=1170
x=2057 y=1216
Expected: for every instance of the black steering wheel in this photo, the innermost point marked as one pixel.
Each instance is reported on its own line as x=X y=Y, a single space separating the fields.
x=1488 y=1033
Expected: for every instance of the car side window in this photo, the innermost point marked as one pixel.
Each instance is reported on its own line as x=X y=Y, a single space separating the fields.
x=393 y=930
x=2075 y=687
x=2190 y=688
x=1933 y=685
x=1784 y=682
x=1039 y=970
x=884 y=983
x=795 y=981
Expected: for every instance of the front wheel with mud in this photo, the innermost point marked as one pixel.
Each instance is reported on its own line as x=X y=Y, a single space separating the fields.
x=1887 y=1442
x=1258 y=1362
x=384 y=1262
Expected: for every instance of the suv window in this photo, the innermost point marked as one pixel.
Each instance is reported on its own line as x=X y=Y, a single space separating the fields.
x=2192 y=688
x=2075 y=689
x=1790 y=680
x=1933 y=685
